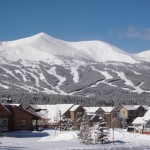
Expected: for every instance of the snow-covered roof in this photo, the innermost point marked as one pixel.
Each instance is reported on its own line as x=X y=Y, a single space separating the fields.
x=144 y=106
x=142 y=120
x=74 y=107
x=108 y=109
x=64 y=107
x=139 y=120
x=91 y=109
x=15 y=104
x=37 y=106
x=52 y=112
x=135 y=107
x=130 y=107
x=147 y=115
x=5 y=108
x=93 y=117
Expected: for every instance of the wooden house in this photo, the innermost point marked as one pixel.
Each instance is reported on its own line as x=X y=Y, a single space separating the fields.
x=76 y=113
x=5 y=118
x=142 y=124
x=13 y=118
x=141 y=110
x=50 y=114
x=132 y=111
x=93 y=114
x=111 y=116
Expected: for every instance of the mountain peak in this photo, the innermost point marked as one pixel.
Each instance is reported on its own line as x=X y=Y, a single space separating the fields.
x=49 y=47
x=41 y=34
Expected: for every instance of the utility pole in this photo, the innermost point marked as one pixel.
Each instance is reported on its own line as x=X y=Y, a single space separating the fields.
x=60 y=119
x=113 y=135
x=113 y=124
x=55 y=124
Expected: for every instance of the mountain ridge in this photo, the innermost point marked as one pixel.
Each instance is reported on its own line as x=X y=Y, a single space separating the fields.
x=46 y=65
x=97 y=51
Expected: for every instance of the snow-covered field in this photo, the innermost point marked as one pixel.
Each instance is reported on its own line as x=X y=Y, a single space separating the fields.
x=69 y=140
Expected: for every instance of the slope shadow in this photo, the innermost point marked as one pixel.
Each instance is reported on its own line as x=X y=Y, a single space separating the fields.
x=118 y=142
x=13 y=148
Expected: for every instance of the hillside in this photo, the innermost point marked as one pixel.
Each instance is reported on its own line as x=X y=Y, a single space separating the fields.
x=46 y=65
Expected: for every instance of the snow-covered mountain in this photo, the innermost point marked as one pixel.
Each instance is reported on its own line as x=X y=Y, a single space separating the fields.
x=145 y=55
x=43 y=46
x=43 y=64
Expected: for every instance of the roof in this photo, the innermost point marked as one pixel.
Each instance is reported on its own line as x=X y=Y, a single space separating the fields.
x=92 y=118
x=139 y=120
x=16 y=104
x=52 y=112
x=11 y=108
x=142 y=120
x=38 y=106
x=64 y=107
x=74 y=107
x=135 y=107
x=144 y=106
x=108 y=109
x=147 y=115
x=5 y=108
x=129 y=107
x=91 y=109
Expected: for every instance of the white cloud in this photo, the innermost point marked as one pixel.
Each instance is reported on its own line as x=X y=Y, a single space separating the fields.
x=132 y=33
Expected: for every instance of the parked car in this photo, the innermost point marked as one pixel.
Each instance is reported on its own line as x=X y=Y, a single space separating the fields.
x=131 y=129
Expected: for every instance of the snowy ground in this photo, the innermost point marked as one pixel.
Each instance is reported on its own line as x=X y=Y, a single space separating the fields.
x=51 y=140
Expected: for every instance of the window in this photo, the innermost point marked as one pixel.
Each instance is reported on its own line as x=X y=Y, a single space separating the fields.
x=23 y=124
x=3 y=124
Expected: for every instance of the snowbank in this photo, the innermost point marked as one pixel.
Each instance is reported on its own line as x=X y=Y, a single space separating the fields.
x=64 y=136
x=65 y=140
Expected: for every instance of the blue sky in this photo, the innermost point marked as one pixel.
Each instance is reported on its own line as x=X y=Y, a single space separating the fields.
x=122 y=23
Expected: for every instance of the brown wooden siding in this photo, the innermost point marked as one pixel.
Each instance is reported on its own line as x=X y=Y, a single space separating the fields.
x=21 y=115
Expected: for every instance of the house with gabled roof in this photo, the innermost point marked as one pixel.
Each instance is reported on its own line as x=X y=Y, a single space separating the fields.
x=13 y=118
x=50 y=114
x=5 y=117
x=93 y=114
x=76 y=114
x=142 y=124
x=109 y=114
x=133 y=111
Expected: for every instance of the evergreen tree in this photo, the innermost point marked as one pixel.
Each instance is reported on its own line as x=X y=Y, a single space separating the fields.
x=85 y=132
x=101 y=132
x=66 y=124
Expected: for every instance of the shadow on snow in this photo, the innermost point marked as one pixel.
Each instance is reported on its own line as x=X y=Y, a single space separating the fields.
x=26 y=134
x=12 y=148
